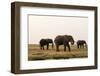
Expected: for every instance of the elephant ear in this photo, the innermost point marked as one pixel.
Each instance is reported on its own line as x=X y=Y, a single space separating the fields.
x=66 y=38
x=69 y=38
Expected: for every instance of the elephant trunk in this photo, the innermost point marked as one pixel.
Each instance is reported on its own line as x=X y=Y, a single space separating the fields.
x=85 y=44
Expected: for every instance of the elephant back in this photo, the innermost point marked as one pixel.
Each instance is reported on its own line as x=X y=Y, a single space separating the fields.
x=43 y=41
x=59 y=39
x=81 y=42
x=49 y=40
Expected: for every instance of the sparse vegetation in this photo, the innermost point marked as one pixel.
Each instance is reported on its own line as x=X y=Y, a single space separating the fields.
x=34 y=53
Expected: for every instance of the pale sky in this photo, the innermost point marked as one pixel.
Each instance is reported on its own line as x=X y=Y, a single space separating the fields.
x=50 y=26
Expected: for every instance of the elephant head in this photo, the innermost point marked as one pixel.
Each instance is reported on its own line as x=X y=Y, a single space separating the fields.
x=50 y=41
x=69 y=38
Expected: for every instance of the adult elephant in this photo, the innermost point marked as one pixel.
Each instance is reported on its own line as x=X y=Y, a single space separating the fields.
x=81 y=44
x=63 y=40
x=45 y=42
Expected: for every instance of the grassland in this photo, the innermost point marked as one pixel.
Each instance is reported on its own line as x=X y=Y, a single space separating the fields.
x=34 y=53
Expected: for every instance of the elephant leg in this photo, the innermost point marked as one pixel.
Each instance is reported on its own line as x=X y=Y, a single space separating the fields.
x=43 y=47
x=69 y=47
x=86 y=45
x=64 y=47
x=77 y=46
x=57 y=47
x=80 y=46
x=47 y=46
x=83 y=45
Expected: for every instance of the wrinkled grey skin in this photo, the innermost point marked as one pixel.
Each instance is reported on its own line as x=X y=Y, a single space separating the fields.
x=63 y=40
x=45 y=42
x=81 y=44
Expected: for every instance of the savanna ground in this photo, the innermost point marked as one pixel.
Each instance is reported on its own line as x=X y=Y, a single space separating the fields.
x=34 y=53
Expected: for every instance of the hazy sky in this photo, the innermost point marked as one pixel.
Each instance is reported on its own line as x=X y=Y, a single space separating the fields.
x=51 y=26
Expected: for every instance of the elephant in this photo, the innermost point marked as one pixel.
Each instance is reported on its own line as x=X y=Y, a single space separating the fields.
x=63 y=40
x=81 y=44
x=46 y=42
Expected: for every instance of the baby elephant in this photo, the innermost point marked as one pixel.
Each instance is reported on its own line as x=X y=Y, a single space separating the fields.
x=45 y=42
x=81 y=44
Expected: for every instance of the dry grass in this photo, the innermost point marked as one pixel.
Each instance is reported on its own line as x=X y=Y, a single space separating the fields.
x=34 y=53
